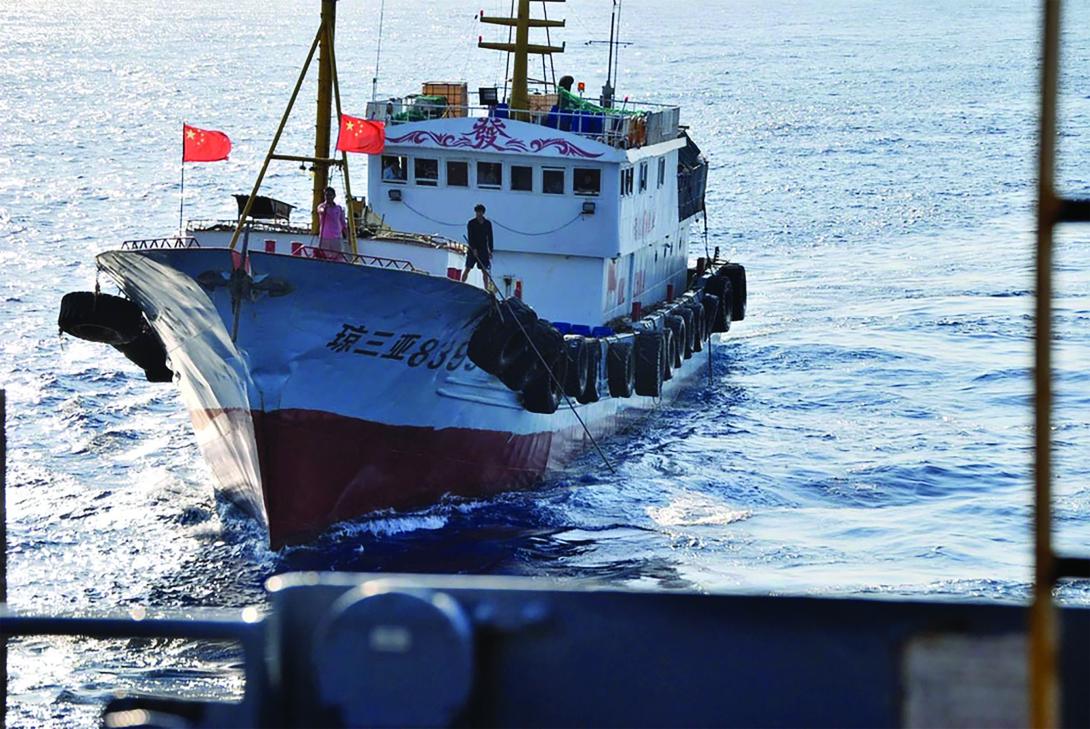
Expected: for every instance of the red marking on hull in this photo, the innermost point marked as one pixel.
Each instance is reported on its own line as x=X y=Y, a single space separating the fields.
x=318 y=468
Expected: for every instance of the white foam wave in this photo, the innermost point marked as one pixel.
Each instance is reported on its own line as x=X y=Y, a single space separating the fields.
x=694 y=509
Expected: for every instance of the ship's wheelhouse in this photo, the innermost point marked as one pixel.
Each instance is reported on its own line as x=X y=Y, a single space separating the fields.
x=585 y=223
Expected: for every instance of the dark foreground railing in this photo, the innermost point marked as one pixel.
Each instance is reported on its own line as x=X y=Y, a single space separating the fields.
x=362 y=650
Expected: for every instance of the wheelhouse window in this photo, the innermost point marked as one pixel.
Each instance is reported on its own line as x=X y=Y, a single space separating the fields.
x=394 y=168
x=489 y=174
x=426 y=171
x=626 y=181
x=643 y=176
x=552 y=180
x=522 y=178
x=457 y=174
x=587 y=181
x=662 y=171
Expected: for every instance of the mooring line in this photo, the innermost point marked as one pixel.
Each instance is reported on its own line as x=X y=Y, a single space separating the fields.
x=502 y=299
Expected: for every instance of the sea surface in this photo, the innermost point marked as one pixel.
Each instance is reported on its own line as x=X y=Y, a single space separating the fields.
x=865 y=431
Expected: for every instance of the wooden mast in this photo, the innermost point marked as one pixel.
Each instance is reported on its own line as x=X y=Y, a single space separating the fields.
x=321 y=161
x=519 y=101
x=325 y=102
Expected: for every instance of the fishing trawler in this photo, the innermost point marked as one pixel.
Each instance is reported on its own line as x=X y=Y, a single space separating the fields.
x=323 y=385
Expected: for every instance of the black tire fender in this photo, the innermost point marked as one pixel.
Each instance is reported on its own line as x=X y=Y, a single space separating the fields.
x=736 y=274
x=544 y=391
x=148 y=353
x=668 y=354
x=650 y=353
x=676 y=324
x=621 y=368
x=497 y=341
x=594 y=371
x=712 y=306
x=698 y=326
x=719 y=286
x=100 y=318
x=578 y=355
x=548 y=347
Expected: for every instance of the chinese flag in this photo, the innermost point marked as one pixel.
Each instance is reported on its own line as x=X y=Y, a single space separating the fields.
x=204 y=145
x=361 y=135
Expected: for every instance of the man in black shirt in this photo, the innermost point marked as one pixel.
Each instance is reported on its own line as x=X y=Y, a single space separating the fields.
x=479 y=238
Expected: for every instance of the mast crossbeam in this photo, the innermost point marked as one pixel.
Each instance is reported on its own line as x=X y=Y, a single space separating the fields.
x=514 y=22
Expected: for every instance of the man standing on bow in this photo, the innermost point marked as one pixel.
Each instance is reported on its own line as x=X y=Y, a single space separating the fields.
x=332 y=226
x=479 y=238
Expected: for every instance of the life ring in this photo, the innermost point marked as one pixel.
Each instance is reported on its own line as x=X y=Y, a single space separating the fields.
x=594 y=370
x=649 y=355
x=621 y=368
x=578 y=355
x=100 y=318
x=736 y=274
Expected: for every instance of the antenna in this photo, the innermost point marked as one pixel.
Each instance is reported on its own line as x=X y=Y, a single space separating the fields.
x=607 y=90
x=617 y=55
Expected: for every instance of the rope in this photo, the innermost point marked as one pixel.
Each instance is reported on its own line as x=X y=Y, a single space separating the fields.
x=548 y=42
x=541 y=358
x=508 y=229
x=544 y=232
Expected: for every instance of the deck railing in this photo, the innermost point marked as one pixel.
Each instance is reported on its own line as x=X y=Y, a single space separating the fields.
x=297 y=249
x=154 y=243
x=632 y=124
x=322 y=254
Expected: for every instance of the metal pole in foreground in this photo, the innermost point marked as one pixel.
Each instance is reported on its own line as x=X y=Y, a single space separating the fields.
x=3 y=557
x=1044 y=697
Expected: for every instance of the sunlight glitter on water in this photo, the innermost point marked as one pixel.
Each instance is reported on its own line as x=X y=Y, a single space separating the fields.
x=866 y=430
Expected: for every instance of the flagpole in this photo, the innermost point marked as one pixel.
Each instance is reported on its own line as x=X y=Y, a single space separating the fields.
x=181 y=202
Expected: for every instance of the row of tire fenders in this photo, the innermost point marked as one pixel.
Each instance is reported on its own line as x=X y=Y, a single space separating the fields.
x=531 y=357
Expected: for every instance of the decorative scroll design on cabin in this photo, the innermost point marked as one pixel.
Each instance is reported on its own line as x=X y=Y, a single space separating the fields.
x=563 y=147
x=491 y=133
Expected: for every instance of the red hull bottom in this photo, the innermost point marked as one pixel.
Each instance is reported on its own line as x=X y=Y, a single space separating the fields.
x=317 y=468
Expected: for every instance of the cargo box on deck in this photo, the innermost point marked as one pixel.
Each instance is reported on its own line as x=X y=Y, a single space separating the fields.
x=455 y=93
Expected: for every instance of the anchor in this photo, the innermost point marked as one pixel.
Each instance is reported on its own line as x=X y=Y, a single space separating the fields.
x=242 y=284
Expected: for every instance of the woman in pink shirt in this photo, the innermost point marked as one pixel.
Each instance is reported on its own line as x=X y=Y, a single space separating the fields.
x=332 y=226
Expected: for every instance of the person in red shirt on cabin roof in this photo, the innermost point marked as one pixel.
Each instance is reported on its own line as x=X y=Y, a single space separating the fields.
x=332 y=224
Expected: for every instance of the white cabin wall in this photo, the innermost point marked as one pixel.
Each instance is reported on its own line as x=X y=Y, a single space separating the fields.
x=559 y=288
x=583 y=268
x=652 y=241
x=521 y=221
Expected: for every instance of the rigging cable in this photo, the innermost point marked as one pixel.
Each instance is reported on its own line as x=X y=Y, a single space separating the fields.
x=507 y=64
x=378 y=51
x=548 y=42
x=507 y=228
x=707 y=255
x=497 y=300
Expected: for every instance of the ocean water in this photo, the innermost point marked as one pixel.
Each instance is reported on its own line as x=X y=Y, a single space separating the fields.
x=866 y=430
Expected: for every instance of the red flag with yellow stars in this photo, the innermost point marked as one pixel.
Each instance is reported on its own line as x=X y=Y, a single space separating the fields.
x=204 y=145
x=361 y=135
